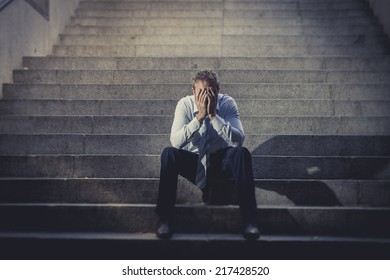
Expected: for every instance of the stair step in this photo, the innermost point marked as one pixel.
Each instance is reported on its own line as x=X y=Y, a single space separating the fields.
x=92 y=246
x=143 y=13
x=302 y=5
x=227 y=1
x=137 y=51
x=323 y=20
x=282 y=30
x=265 y=5
x=129 y=166
x=138 y=40
x=343 y=221
x=372 y=63
x=374 y=193
x=295 y=50
x=156 y=5
x=162 y=124
x=268 y=145
x=305 y=30
x=252 y=107
x=134 y=50
x=219 y=13
x=185 y=76
x=88 y=107
x=215 y=21
x=328 y=40
x=125 y=21
x=176 y=91
x=226 y=40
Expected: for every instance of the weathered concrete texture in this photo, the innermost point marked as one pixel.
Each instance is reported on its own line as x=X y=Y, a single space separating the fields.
x=376 y=63
x=176 y=91
x=215 y=50
x=228 y=40
x=251 y=107
x=147 y=166
x=82 y=130
x=381 y=9
x=195 y=219
x=24 y=32
x=162 y=124
x=183 y=76
x=217 y=30
x=188 y=246
x=130 y=190
x=263 y=145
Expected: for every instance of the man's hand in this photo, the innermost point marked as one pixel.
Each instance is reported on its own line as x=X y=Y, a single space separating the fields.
x=201 y=101
x=212 y=98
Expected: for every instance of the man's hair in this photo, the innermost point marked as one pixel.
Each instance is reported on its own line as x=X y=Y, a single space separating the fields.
x=207 y=75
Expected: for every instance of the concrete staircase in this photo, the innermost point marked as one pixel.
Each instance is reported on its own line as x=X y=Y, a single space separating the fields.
x=81 y=131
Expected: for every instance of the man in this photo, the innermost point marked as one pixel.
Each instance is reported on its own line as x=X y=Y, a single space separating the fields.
x=207 y=137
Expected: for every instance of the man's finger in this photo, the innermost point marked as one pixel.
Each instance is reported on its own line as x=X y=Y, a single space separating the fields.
x=212 y=95
x=204 y=92
x=204 y=96
x=199 y=92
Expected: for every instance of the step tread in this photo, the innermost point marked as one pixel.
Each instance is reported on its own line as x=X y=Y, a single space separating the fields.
x=188 y=237
x=182 y=76
x=144 y=124
x=92 y=246
x=352 y=157
x=197 y=206
x=346 y=221
x=285 y=107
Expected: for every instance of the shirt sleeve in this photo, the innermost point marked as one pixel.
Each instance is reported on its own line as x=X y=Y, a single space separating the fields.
x=183 y=127
x=230 y=127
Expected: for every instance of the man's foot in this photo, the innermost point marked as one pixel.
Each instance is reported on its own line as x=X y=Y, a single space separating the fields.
x=251 y=232
x=164 y=231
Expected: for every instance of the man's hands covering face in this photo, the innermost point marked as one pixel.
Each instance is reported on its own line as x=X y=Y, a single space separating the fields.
x=206 y=101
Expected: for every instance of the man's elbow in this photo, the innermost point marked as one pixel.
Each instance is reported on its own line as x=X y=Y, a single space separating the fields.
x=239 y=140
x=176 y=144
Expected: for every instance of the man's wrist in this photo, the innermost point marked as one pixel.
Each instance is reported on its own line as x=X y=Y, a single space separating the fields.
x=200 y=118
x=212 y=116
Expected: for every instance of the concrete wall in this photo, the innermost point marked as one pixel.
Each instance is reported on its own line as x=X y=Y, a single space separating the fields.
x=381 y=9
x=24 y=32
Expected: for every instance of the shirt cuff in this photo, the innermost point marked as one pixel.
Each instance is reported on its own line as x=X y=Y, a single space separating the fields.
x=218 y=123
x=194 y=125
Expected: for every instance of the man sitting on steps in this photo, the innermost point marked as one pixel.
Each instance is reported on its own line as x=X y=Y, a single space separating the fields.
x=207 y=138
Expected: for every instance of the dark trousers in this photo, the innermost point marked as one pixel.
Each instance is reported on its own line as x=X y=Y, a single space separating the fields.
x=231 y=165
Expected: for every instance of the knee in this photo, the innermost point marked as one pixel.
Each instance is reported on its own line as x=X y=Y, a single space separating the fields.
x=242 y=152
x=168 y=152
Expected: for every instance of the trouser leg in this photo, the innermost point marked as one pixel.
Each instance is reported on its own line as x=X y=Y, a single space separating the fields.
x=173 y=163
x=238 y=163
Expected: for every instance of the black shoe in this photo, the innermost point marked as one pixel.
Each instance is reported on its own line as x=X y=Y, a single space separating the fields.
x=164 y=231
x=251 y=232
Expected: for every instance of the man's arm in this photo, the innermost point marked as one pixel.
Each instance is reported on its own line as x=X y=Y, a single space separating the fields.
x=183 y=128
x=230 y=127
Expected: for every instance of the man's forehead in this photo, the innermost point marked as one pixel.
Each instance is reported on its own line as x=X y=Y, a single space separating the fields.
x=200 y=83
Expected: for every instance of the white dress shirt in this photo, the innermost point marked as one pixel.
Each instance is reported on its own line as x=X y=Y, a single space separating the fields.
x=225 y=129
